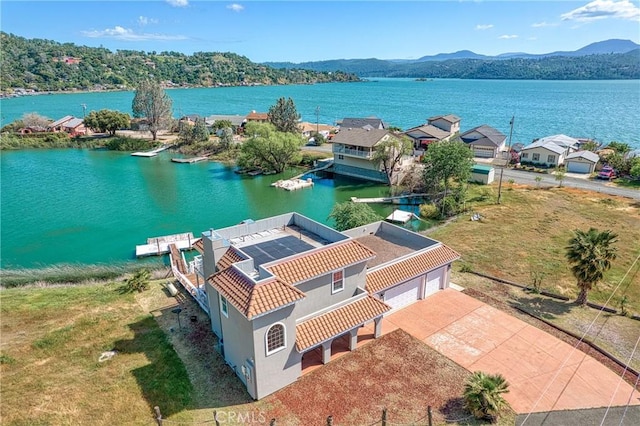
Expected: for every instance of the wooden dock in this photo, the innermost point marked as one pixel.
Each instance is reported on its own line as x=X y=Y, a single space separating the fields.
x=388 y=200
x=160 y=245
x=189 y=160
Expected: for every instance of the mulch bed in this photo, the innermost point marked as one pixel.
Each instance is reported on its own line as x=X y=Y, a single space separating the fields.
x=506 y=307
x=397 y=372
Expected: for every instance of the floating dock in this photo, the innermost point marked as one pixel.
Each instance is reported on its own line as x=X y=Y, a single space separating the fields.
x=189 y=160
x=293 y=184
x=160 y=245
x=400 y=216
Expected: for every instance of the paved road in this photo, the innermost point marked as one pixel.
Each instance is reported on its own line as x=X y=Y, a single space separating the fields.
x=548 y=180
x=605 y=187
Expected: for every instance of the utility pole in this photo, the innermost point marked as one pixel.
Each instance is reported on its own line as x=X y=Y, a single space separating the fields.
x=84 y=111
x=317 y=119
x=507 y=161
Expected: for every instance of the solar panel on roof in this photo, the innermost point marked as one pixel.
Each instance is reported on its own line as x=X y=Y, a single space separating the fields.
x=279 y=248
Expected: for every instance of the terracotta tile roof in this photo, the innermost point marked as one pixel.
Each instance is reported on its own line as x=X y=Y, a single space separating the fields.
x=253 y=299
x=321 y=328
x=199 y=246
x=406 y=269
x=228 y=258
x=320 y=262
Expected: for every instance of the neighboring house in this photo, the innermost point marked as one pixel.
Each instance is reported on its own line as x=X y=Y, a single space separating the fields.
x=426 y=134
x=437 y=129
x=282 y=290
x=581 y=162
x=362 y=123
x=549 y=151
x=353 y=150
x=32 y=129
x=307 y=129
x=260 y=117
x=485 y=141
x=237 y=121
x=68 y=124
x=548 y=154
x=449 y=123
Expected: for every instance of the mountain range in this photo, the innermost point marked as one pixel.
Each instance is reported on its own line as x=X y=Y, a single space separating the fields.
x=609 y=59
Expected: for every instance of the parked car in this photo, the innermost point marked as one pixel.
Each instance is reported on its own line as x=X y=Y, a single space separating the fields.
x=607 y=172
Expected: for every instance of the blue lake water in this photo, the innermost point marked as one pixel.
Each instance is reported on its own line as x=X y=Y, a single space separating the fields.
x=94 y=206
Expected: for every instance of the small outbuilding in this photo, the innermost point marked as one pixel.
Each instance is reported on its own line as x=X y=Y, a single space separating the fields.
x=581 y=162
x=482 y=174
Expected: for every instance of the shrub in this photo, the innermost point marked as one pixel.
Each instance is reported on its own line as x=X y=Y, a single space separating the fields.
x=483 y=395
x=129 y=144
x=429 y=211
x=138 y=282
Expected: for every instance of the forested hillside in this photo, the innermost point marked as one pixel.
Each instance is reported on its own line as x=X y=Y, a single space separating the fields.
x=46 y=65
x=592 y=67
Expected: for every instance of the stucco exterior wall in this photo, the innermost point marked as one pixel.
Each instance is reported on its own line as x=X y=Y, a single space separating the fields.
x=238 y=344
x=214 y=309
x=318 y=290
x=280 y=368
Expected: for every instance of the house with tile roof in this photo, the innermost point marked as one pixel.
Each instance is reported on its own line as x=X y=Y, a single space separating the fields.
x=353 y=153
x=485 y=141
x=283 y=292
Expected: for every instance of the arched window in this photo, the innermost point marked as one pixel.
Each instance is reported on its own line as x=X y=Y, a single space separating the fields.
x=275 y=338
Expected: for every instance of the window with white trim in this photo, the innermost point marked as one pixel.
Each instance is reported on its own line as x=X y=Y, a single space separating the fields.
x=551 y=159
x=337 y=281
x=525 y=155
x=536 y=157
x=276 y=338
x=224 y=306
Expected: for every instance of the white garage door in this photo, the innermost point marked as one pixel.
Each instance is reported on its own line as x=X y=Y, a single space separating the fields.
x=403 y=294
x=575 y=167
x=434 y=282
x=479 y=151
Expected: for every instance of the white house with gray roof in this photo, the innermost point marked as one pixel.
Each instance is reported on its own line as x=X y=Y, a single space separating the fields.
x=368 y=123
x=549 y=151
x=285 y=291
x=485 y=141
x=436 y=129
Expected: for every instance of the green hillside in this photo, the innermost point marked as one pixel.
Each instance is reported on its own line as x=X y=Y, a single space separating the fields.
x=46 y=65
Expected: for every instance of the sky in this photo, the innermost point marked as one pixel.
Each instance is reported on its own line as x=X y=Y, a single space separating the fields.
x=299 y=31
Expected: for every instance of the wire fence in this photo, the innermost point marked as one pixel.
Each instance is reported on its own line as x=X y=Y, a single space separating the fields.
x=219 y=419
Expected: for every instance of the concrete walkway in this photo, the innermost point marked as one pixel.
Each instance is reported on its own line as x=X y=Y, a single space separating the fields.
x=544 y=373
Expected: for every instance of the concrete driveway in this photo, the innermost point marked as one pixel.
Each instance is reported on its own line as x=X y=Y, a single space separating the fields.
x=544 y=373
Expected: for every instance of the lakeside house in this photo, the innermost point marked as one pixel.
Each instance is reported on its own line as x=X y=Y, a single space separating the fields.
x=284 y=292
x=353 y=150
x=437 y=129
x=368 y=123
x=485 y=141
x=68 y=124
x=549 y=151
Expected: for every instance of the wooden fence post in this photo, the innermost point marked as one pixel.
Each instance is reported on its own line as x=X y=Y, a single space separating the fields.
x=158 y=415
x=330 y=421
x=429 y=415
x=384 y=417
x=215 y=417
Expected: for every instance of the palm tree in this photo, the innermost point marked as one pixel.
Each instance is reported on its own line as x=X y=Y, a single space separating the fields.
x=590 y=254
x=483 y=395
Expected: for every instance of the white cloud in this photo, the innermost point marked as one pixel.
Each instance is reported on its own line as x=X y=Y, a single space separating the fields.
x=143 y=20
x=235 y=7
x=126 y=34
x=484 y=26
x=543 y=24
x=603 y=9
x=532 y=38
x=508 y=36
x=178 y=3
